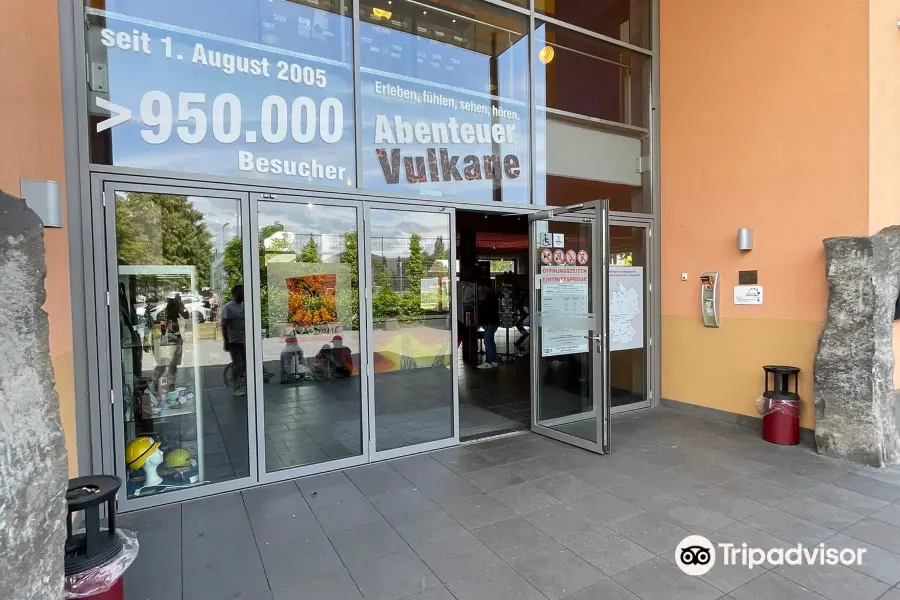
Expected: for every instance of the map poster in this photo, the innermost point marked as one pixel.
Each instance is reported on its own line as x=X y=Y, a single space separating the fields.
x=564 y=292
x=626 y=308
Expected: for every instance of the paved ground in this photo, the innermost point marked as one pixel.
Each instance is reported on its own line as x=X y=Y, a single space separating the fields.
x=526 y=518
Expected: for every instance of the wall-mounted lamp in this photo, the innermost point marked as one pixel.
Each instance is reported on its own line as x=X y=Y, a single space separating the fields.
x=44 y=198
x=745 y=239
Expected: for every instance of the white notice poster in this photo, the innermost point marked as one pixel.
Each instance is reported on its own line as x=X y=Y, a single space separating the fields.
x=626 y=308
x=564 y=292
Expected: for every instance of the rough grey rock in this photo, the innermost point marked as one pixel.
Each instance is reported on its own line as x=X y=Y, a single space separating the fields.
x=33 y=463
x=854 y=366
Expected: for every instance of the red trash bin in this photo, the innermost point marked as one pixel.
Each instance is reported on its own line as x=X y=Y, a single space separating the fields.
x=781 y=409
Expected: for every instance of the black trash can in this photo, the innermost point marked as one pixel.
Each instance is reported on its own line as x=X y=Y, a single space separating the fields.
x=91 y=565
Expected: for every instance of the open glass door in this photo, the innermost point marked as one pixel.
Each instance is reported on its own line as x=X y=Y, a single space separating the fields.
x=569 y=251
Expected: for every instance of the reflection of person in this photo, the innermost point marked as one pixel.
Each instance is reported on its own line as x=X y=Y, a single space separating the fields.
x=489 y=318
x=174 y=310
x=341 y=357
x=232 y=323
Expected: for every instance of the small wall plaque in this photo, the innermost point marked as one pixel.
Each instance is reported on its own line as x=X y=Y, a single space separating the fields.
x=748 y=277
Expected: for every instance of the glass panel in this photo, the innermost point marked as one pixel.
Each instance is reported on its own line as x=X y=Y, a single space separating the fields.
x=579 y=74
x=444 y=92
x=309 y=295
x=413 y=339
x=627 y=315
x=566 y=191
x=249 y=88
x=624 y=20
x=183 y=426
x=564 y=366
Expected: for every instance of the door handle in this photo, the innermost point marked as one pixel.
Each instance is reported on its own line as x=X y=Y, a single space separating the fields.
x=598 y=338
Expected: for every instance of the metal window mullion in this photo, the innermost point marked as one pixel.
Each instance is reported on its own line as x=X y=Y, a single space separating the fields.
x=357 y=97
x=597 y=36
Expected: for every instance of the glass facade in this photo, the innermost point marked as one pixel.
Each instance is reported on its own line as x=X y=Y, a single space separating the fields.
x=444 y=98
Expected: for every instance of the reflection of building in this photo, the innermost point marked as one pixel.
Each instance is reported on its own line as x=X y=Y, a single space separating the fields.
x=218 y=279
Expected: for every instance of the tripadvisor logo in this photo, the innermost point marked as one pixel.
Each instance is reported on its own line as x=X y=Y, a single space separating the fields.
x=695 y=555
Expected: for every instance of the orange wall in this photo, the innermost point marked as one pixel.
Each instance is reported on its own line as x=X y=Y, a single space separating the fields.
x=764 y=125
x=31 y=147
x=884 y=125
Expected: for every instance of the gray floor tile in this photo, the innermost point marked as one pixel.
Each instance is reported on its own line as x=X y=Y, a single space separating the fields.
x=755 y=489
x=821 y=469
x=601 y=477
x=892 y=594
x=564 y=486
x=368 y=542
x=771 y=586
x=889 y=514
x=401 y=505
x=731 y=505
x=876 y=532
x=692 y=517
x=428 y=525
x=342 y=516
x=493 y=478
x=835 y=582
x=603 y=507
x=650 y=531
x=476 y=511
x=502 y=583
x=327 y=489
x=787 y=479
x=290 y=564
x=523 y=498
x=561 y=521
x=605 y=589
x=538 y=467
x=708 y=472
x=377 y=479
x=556 y=571
x=827 y=515
x=393 y=577
x=452 y=557
x=788 y=527
x=657 y=579
x=876 y=562
x=275 y=501
x=869 y=487
x=642 y=494
x=889 y=475
x=436 y=593
x=513 y=537
x=608 y=551
x=332 y=586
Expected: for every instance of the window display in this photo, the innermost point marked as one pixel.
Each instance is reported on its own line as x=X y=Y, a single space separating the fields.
x=182 y=427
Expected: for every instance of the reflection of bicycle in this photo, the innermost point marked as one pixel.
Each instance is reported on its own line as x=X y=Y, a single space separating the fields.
x=231 y=374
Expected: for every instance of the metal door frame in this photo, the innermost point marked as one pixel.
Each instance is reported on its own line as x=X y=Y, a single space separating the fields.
x=365 y=396
x=374 y=453
x=597 y=215
x=649 y=315
x=107 y=287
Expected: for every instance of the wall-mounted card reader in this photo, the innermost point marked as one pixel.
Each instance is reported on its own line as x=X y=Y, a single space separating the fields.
x=709 y=299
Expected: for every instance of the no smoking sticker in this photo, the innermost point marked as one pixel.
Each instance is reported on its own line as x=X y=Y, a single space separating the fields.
x=546 y=256
x=582 y=257
x=570 y=257
x=559 y=257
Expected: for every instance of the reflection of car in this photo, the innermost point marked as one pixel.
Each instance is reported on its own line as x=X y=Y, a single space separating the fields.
x=195 y=306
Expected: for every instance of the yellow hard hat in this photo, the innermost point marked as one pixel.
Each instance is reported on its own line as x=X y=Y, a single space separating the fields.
x=138 y=451
x=178 y=458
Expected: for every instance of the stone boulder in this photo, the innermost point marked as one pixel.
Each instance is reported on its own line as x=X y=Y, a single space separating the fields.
x=33 y=463
x=854 y=366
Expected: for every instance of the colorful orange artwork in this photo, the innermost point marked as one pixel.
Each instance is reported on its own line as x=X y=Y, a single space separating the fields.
x=311 y=300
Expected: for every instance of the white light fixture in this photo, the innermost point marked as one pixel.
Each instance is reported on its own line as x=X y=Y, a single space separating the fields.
x=44 y=198
x=745 y=239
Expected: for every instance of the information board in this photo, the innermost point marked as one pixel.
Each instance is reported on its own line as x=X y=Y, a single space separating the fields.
x=564 y=292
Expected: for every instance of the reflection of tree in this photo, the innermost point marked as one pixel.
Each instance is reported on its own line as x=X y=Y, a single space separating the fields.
x=348 y=300
x=310 y=252
x=163 y=229
x=440 y=253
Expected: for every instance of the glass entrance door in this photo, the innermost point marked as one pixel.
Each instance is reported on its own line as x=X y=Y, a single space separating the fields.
x=309 y=318
x=569 y=252
x=412 y=271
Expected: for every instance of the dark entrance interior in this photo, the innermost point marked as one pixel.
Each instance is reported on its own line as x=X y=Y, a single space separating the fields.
x=493 y=249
